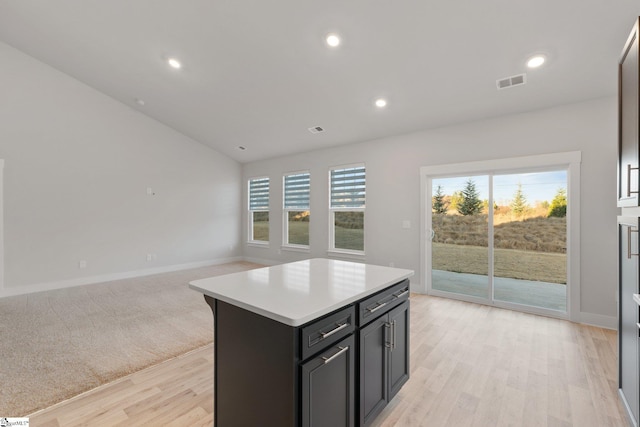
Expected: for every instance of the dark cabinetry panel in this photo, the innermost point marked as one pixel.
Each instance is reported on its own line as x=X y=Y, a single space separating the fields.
x=328 y=394
x=628 y=315
x=255 y=381
x=399 y=351
x=628 y=101
x=373 y=369
x=629 y=201
x=382 y=302
x=328 y=330
x=384 y=361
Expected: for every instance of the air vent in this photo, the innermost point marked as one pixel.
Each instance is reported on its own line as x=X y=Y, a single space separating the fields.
x=316 y=129
x=518 y=80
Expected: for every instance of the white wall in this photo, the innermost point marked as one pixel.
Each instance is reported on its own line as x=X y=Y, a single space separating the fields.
x=77 y=167
x=393 y=188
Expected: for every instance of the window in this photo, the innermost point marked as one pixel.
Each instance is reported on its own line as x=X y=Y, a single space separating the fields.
x=259 y=210
x=296 y=213
x=346 y=206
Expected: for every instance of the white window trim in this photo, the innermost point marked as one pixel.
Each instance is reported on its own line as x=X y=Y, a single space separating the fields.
x=338 y=252
x=568 y=160
x=285 y=218
x=250 y=241
x=1 y=225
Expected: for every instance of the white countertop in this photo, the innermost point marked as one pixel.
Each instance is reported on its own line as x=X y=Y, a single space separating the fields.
x=298 y=292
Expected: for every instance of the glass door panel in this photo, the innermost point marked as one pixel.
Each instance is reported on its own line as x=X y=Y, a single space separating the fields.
x=460 y=230
x=530 y=239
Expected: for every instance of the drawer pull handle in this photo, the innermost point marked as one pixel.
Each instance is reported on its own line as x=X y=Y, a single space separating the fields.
x=402 y=294
x=629 y=169
x=334 y=330
x=329 y=359
x=378 y=307
x=629 y=231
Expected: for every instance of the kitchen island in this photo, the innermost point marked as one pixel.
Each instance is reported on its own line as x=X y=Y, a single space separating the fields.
x=311 y=343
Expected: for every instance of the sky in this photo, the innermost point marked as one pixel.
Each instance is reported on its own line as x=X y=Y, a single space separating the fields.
x=536 y=186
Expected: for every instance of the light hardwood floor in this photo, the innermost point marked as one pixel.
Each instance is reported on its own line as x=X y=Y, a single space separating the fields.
x=471 y=365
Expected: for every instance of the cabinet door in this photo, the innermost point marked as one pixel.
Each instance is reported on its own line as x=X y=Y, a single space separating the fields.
x=328 y=395
x=628 y=313
x=628 y=100
x=399 y=350
x=373 y=369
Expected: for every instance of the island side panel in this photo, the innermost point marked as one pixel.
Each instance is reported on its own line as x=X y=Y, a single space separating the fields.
x=255 y=369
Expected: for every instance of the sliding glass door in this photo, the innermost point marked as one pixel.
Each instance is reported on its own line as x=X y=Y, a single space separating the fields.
x=500 y=238
x=530 y=239
x=460 y=246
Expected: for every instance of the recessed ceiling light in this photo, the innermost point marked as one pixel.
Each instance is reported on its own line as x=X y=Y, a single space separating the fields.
x=381 y=102
x=535 y=61
x=333 y=40
x=173 y=62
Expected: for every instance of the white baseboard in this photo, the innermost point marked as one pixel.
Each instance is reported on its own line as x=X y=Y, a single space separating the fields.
x=607 y=322
x=88 y=280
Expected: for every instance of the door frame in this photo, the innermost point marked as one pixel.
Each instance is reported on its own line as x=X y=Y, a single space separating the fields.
x=567 y=160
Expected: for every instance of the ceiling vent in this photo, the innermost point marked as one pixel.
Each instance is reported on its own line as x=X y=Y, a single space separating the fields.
x=507 y=82
x=316 y=129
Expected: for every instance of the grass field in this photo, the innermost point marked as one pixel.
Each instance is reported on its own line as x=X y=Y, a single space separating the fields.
x=346 y=238
x=531 y=234
x=513 y=263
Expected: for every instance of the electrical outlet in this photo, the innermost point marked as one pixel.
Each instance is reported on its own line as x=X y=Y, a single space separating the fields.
x=151 y=257
x=82 y=263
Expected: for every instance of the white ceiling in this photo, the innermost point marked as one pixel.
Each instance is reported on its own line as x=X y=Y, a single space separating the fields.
x=258 y=73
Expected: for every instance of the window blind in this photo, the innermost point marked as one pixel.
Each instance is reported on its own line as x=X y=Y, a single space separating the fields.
x=296 y=191
x=259 y=194
x=348 y=187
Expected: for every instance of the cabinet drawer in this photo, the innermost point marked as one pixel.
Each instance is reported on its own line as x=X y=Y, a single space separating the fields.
x=328 y=330
x=382 y=302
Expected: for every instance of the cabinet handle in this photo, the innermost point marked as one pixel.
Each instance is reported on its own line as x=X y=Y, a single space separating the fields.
x=393 y=335
x=629 y=231
x=402 y=294
x=388 y=344
x=629 y=169
x=329 y=359
x=378 y=307
x=334 y=330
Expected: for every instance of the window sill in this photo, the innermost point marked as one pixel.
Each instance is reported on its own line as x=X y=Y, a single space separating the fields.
x=296 y=248
x=257 y=244
x=360 y=256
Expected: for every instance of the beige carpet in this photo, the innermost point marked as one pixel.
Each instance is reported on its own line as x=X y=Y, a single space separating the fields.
x=57 y=344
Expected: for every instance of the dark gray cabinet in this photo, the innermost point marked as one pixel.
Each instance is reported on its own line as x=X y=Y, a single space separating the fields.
x=628 y=316
x=629 y=201
x=373 y=369
x=328 y=387
x=628 y=141
x=384 y=360
x=399 y=350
